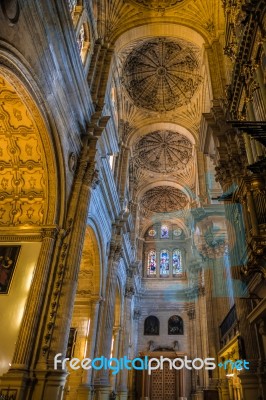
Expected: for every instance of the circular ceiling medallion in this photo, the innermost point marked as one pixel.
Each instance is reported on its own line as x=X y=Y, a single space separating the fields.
x=157 y=5
x=164 y=199
x=161 y=74
x=163 y=151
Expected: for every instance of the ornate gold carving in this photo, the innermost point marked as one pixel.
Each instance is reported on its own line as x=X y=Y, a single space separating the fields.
x=23 y=166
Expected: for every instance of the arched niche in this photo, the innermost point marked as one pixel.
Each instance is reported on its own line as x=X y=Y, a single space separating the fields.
x=151 y=326
x=28 y=198
x=27 y=165
x=90 y=267
x=175 y=325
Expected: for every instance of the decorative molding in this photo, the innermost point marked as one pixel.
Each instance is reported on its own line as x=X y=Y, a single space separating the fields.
x=27 y=195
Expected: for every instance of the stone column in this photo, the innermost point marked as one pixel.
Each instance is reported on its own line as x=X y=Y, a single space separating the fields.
x=193 y=348
x=260 y=79
x=115 y=353
x=252 y=211
x=55 y=330
x=122 y=387
x=102 y=381
x=86 y=387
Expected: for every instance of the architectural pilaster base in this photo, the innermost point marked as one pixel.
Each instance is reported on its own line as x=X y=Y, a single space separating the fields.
x=17 y=381
x=197 y=396
x=85 y=392
x=50 y=385
x=122 y=395
x=250 y=385
x=102 y=392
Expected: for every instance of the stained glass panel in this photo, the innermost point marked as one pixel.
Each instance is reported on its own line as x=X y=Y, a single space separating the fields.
x=152 y=263
x=164 y=232
x=164 y=263
x=177 y=262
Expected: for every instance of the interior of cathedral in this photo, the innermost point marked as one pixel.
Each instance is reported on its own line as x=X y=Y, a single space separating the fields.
x=132 y=200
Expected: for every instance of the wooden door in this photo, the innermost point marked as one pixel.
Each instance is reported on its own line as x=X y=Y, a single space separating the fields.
x=164 y=384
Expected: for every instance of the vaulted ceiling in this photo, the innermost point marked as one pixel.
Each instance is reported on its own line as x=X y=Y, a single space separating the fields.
x=162 y=80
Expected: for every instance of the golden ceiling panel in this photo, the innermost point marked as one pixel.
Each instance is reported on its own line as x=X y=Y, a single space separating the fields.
x=23 y=171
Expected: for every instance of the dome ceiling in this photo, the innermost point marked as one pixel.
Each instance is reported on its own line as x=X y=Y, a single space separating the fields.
x=161 y=74
x=164 y=199
x=163 y=151
x=157 y=4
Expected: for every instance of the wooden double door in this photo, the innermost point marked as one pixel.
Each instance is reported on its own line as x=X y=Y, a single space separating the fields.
x=164 y=384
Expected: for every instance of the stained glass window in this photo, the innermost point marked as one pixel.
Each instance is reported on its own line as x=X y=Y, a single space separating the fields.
x=152 y=263
x=164 y=232
x=177 y=262
x=164 y=263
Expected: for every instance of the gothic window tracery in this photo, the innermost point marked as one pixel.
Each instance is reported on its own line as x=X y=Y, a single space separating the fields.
x=152 y=263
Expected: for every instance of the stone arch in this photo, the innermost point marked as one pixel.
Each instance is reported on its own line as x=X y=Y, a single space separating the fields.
x=146 y=129
x=90 y=267
x=86 y=309
x=169 y=28
x=27 y=171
